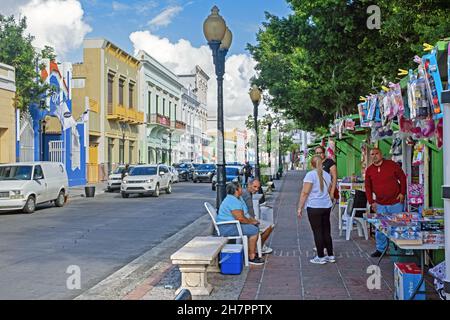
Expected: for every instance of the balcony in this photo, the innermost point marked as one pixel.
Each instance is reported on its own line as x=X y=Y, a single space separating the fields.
x=179 y=125
x=159 y=119
x=117 y=112
x=140 y=117
x=131 y=116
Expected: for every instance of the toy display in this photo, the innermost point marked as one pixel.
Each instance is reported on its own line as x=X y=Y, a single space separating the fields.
x=406 y=234
x=433 y=82
x=417 y=96
x=363 y=112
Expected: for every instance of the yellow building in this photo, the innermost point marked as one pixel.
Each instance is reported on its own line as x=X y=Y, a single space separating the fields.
x=7 y=111
x=108 y=82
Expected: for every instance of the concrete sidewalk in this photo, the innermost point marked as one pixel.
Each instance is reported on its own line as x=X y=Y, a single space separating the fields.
x=78 y=191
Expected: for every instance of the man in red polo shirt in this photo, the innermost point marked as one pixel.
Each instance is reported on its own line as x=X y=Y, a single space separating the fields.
x=387 y=181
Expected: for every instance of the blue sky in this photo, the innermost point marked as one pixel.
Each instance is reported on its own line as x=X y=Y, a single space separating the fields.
x=242 y=17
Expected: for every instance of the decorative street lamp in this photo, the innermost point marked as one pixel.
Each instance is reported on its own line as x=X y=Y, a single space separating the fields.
x=255 y=96
x=269 y=121
x=122 y=152
x=170 y=146
x=219 y=39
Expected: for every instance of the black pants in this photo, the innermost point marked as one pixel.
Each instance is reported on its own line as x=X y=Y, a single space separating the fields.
x=319 y=218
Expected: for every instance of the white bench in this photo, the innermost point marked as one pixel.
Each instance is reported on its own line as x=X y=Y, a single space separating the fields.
x=195 y=259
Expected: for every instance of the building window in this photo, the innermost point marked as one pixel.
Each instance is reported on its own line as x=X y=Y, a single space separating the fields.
x=157 y=104
x=170 y=109
x=121 y=85
x=110 y=92
x=175 y=112
x=164 y=107
x=149 y=102
x=130 y=95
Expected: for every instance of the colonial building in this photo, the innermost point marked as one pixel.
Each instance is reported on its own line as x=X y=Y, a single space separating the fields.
x=108 y=79
x=7 y=120
x=195 y=115
x=161 y=102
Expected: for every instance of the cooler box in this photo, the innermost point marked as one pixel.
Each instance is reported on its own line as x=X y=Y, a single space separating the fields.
x=231 y=259
x=406 y=278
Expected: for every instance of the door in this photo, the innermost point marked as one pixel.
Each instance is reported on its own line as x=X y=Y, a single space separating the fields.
x=166 y=177
x=40 y=186
x=93 y=164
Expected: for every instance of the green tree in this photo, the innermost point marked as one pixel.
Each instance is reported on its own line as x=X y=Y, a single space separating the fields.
x=16 y=49
x=317 y=61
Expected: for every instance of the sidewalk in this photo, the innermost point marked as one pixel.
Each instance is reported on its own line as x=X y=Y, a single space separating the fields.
x=287 y=273
x=78 y=191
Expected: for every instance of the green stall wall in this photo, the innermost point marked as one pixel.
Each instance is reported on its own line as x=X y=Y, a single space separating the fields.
x=436 y=177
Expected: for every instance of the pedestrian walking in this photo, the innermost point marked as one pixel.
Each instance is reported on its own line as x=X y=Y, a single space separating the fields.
x=386 y=179
x=329 y=166
x=315 y=195
x=248 y=172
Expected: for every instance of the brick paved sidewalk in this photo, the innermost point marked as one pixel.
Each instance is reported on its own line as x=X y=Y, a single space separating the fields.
x=288 y=274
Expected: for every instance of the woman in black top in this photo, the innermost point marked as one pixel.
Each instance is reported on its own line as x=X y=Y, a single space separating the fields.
x=329 y=166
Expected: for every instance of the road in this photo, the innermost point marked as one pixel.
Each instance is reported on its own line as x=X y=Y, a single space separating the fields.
x=99 y=235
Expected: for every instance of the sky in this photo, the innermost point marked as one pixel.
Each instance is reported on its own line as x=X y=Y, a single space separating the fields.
x=169 y=30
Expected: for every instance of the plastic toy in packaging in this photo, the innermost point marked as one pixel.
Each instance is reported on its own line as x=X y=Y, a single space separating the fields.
x=417 y=97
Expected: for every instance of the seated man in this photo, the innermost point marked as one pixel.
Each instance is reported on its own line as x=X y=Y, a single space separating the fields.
x=234 y=208
x=247 y=195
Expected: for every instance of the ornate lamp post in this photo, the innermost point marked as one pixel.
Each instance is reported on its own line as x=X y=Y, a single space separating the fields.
x=255 y=96
x=219 y=39
x=170 y=146
x=269 y=121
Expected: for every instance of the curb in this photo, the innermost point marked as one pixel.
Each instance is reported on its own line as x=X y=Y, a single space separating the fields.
x=148 y=267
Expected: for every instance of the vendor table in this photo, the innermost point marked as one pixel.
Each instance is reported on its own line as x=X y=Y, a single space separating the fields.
x=422 y=249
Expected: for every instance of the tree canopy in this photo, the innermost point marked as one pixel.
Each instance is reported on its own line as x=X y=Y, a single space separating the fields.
x=16 y=50
x=315 y=63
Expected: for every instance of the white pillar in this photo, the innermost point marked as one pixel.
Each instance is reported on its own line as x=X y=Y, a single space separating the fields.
x=446 y=148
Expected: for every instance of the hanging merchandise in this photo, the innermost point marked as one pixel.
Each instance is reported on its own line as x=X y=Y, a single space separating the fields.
x=350 y=124
x=373 y=113
x=439 y=133
x=330 y=149
x=428 y=128
x=417 y=96
x=433 y=82
x=363 y=109
x=418 y=154
x=395 y=95
x=406 y=125
x=396 y=148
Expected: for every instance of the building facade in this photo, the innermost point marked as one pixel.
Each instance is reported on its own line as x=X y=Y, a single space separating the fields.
x=161 y=102
x=195 y=112
x=108 y=80
x=7 y=110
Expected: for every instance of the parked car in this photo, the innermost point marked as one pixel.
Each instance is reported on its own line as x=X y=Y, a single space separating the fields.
x=237 y=164
x=204 y=172
x=174 y=172
x=115 y=178
x=147 y=179
x=27 y=184
x=232 y=174
x=185 y=171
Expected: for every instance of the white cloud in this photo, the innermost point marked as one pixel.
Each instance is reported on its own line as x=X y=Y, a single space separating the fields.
x=117 y=6
x=165 y=17
x=57 y=23
x=181 y=57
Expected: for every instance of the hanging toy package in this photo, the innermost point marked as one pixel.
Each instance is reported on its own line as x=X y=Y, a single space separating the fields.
x=417 y=96
x=363 y=111
x=395 y=95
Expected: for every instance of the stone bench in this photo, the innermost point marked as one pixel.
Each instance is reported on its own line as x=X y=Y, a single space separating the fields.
x=195 y=259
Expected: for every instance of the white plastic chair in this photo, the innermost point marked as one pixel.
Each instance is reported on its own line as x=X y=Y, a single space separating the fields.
x=241 y=238
x=349 y=217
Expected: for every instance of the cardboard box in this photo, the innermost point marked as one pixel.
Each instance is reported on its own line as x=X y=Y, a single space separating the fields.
x=406 y=278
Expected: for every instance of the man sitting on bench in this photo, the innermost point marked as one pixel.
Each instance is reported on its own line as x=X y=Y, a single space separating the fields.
x=253 y=186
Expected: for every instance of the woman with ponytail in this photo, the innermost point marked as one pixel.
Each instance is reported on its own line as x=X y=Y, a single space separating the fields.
x=315 y=194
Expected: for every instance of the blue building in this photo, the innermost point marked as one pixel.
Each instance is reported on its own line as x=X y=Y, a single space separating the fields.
x=48 y=131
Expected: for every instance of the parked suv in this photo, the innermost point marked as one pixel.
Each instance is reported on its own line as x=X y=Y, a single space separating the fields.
x=115 y=178
x=232 y=174
x=204 y=172
x=185 y=171
x=27 y=184
x=147 y=179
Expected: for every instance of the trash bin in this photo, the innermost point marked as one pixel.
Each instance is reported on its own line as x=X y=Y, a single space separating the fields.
x=89 y=191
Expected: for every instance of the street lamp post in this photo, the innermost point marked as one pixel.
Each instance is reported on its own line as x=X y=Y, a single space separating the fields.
x=255 y=96
x=269 y=143
x=219 y=39
x=170 y=147
x=122 y=127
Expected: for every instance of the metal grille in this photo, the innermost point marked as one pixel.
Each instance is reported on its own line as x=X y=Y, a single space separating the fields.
x=4 y=194
x=56 y=151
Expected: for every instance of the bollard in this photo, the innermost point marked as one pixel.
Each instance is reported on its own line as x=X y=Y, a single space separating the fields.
x=184 y=294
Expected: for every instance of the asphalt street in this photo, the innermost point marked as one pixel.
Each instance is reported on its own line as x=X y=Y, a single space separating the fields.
x=99 y=235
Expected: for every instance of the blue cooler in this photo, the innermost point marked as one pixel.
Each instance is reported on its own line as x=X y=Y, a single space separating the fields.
x=231 y=259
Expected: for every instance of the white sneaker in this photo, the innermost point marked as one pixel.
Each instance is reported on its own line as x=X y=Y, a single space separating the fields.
x=318 y=260
x=266 y=250
x=331 y=259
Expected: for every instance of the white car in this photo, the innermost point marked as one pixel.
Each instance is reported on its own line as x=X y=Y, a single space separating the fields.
x=147 y=179
x=115 y=178
x=175 y=175
x=26 y=184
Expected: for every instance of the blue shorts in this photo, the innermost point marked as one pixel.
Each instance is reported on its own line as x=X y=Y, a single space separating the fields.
x=230 y=230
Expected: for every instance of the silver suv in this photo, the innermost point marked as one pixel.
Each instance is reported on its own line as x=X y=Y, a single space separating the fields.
x=147 y=179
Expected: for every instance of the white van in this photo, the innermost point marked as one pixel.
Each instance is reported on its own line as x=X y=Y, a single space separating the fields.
x=23 y=185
